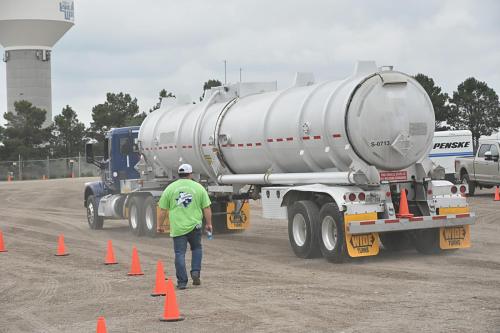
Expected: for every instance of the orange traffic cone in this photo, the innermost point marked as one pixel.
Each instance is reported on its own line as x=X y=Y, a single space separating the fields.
x=135 y=269
x=2 y=246
x=61 y=249
x=110 y=255
x=171 y=310
x=497 y=194
x=101 y=325
x=404 y=212
x=160 y=285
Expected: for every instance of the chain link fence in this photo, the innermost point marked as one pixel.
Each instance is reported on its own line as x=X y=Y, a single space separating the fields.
x=70 y=167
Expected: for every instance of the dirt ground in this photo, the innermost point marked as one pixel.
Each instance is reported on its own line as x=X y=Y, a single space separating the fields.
x=251 y=281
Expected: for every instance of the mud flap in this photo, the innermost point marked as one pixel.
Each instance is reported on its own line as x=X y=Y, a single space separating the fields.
x=457 y=237
x=238 y=215
x=362 y=245
x=162 y=227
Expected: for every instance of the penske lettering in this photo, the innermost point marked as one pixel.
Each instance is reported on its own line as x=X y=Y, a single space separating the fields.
x=448 y=145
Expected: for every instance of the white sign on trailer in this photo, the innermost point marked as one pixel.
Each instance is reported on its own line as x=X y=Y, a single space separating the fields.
x=448 y=145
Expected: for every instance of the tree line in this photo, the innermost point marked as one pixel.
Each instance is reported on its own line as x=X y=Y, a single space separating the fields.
x=24 y=135
x=473 y=106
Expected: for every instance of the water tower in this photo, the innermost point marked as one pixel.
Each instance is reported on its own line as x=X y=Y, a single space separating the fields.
x=28 y=31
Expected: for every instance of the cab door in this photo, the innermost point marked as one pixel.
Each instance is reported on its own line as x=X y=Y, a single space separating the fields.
x=492 y=167
x=481 y=166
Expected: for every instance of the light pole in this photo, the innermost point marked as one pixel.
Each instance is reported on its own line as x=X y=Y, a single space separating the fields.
x=225 y=72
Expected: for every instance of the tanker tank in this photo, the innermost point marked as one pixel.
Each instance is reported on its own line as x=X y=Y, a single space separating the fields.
x=377 y=117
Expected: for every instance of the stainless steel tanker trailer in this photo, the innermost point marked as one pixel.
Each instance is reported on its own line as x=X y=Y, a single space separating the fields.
x=332 y=157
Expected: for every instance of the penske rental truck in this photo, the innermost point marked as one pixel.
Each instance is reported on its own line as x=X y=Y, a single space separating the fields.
x=346 y=162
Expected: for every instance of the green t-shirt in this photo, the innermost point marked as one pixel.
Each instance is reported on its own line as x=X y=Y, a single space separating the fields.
x=185 y=200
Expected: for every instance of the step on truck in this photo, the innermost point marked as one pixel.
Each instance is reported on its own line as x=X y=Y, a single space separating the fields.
x=332 y=157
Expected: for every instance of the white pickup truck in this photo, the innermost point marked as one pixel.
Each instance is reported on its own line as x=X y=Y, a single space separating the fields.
x=482 y=170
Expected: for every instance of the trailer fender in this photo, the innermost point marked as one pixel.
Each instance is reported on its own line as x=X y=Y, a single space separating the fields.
x=93 y=188
x=308 y=192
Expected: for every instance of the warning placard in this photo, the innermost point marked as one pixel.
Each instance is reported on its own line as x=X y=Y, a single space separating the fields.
x=454 y=237
x=393 y=175
x=364 y=244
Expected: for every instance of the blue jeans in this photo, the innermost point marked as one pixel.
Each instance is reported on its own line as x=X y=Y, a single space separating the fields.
x=180 y=246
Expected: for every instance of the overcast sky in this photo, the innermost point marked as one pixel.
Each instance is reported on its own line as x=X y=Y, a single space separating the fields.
x=140 y=47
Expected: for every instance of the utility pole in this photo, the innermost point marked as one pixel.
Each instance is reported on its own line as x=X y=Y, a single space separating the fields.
x=20 y=172
x=240 y=73
x=225 y=72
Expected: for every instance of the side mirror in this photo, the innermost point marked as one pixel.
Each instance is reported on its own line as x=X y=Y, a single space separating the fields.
x=89 y=153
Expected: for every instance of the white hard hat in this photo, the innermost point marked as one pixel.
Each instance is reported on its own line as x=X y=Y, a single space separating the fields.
x=185 y=168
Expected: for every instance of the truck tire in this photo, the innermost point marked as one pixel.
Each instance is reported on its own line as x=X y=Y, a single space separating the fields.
x=150 y=216
x=135 y=216
x=395 y=241
x=465 y=179
x=427 y=241
x=303 y=217
x=332 y=233
x=95 y=221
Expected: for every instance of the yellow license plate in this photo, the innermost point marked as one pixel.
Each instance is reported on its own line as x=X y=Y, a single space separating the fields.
x=361 y=245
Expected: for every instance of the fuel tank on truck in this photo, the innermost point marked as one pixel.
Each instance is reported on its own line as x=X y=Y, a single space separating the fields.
x=382 y=117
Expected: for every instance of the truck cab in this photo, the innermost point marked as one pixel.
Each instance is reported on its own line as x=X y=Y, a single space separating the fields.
x=121 y=154
x=483 y=170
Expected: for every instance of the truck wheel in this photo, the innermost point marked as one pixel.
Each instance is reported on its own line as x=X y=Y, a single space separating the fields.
x=95 y=221
x=135 y=216
x=395 y=241
x=303 y=217
x=332 y=240
x=150 y=216
x=427 y=241
x=466 y=180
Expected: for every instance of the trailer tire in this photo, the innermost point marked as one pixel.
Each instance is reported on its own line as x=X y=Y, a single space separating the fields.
x=427 y=241
x=465 y=179
x=332 y=233
x=136 y=216
x=303 y=217
x=95 y=221
x=395 y=241
x=150 y=216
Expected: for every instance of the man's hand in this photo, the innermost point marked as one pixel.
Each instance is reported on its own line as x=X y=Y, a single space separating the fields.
x=207 y=212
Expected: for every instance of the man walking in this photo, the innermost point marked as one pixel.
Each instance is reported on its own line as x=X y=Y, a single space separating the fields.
x=185 y=202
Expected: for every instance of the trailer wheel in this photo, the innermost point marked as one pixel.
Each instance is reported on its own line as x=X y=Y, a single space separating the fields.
x=427 y=241
x=135 y=216
x=303 y=217
x=465 y=179
x=332 y=240
x=150 y=216
x=395 y=241
x=95 y=221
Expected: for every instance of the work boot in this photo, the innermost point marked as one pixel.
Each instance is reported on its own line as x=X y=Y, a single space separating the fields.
x=196 y=278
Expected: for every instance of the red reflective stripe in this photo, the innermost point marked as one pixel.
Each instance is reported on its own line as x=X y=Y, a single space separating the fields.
x=416 y=219
x=240 y=145
x=439 y=217
x=463 y=215
x=184 y=146
x=258 y=144
x=336 y=135
x=165 y=147
x=366 y=222
x=249 y=145
x=306 y=137
x=317 y=137
x=391 y=221
x=190 y=146
x=270 y=140
x=203 y=144
x=289 y=139
x=224 y=145
x=279 y=139
x=160 y=148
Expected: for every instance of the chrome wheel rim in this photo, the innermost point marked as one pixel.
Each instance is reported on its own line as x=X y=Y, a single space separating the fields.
x=329 y=233
x=133 y=216
x=299 y=229
x=90 y=213
x=149 y=217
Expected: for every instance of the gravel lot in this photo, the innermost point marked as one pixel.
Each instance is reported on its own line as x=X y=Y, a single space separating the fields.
x=251 y=281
